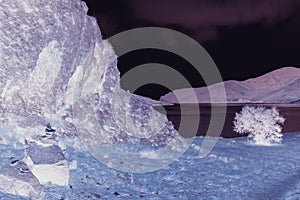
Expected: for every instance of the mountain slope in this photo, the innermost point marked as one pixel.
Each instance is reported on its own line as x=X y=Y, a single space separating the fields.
x=279 y=86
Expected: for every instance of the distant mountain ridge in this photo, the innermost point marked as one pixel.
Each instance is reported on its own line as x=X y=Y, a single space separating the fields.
x=279 y=86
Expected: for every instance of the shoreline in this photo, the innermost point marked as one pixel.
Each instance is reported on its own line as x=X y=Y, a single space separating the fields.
x=291 y=112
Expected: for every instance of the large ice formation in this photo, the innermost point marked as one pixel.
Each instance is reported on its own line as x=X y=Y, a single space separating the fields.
x=54 y=61
x=56 y=69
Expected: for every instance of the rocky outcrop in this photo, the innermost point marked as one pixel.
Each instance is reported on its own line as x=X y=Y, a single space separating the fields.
x=42 y=43
x=56 y=69
x=17 y=179
x=47 y=164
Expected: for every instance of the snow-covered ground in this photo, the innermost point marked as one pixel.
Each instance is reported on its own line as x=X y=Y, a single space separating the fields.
x=234 y=169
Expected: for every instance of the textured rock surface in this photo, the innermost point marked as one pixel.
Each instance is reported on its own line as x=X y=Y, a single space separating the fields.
x=17 y=179
x=47 y=163
x=56 y=69
x=42 y=43
x=44 y=155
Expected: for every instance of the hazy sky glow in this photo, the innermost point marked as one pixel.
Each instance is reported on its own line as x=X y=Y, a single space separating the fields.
x=245 y=38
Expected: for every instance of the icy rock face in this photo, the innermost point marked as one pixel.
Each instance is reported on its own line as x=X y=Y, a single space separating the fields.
x=47 y=163
x=44 y=155
x=42 y=43
x=56 y=68
x=17 y=179
x=279 y=86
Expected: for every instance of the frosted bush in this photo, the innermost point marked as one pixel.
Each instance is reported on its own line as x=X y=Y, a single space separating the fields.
x=263 y=124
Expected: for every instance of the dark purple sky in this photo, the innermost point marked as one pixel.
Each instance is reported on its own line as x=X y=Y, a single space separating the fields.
x=246 y=38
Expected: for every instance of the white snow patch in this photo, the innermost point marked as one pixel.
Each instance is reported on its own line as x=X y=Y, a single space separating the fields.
x=73 y=165
x=72 y=90
x=57 y=173
x=224 y=159
x=14 y=186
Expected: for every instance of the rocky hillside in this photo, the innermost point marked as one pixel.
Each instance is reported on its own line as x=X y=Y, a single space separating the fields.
x=279 y=86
